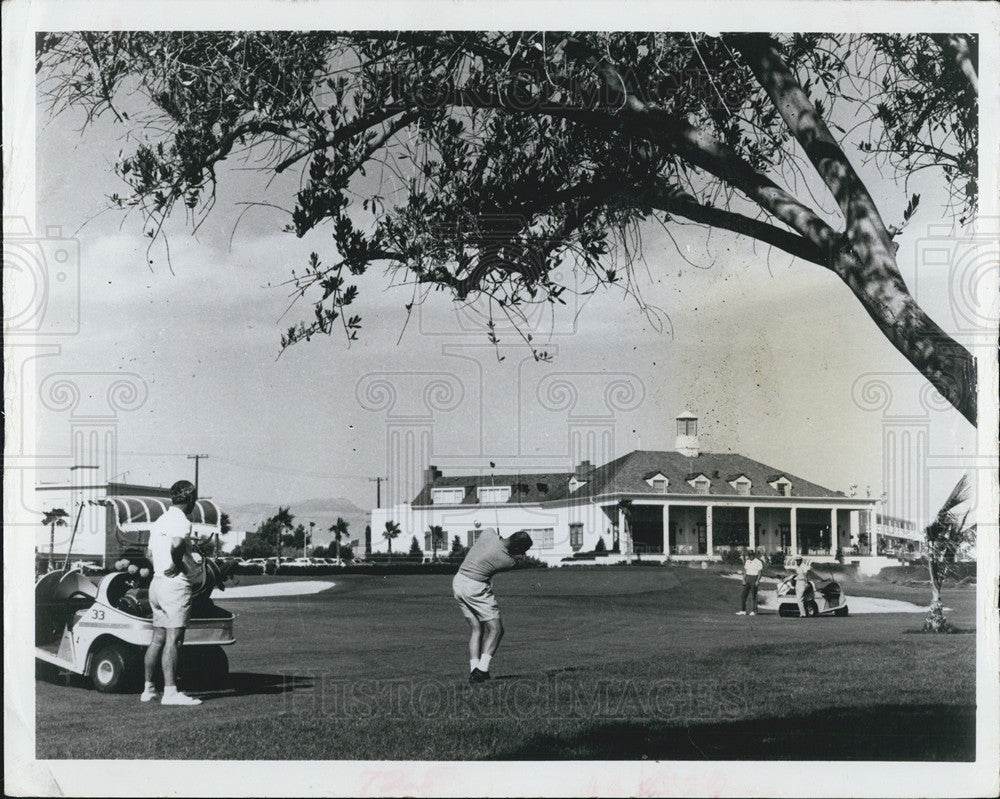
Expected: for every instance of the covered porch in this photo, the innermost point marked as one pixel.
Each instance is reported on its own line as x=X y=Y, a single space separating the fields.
x=686 y=529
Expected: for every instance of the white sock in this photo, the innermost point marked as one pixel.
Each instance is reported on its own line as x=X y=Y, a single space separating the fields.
x=169 y=690
x=484 y=662
x=150 y=686
x=473 y=664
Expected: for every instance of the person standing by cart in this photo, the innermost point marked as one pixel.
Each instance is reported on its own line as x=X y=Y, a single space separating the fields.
x=752 y=568
x=801 y=584
x=170 y=593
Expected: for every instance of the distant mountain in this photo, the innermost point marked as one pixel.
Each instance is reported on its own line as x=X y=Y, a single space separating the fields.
x=322 y=511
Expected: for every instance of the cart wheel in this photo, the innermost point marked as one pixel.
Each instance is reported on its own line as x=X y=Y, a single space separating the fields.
x=812 y=609
x=114 y=668
x=840 y=611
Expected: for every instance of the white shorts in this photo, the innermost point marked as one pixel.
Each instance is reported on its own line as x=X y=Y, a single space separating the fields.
x=170 y=600
x=475 y=598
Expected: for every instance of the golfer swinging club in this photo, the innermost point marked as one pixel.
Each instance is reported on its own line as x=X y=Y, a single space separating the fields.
x=474 y=593
x=170 y=593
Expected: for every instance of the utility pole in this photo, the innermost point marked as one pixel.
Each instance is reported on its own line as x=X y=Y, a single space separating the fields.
x=378 y=489
x=196 y=459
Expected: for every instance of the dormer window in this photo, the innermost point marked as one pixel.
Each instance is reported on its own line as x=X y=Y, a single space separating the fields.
x=700 y=483
x=742 y=484
x=493 y=494
x=657 y=481
x=782 y=485
x=687 y=427
x=447 y=496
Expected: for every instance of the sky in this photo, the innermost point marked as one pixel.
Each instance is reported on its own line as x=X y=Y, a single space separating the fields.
x=774 y=355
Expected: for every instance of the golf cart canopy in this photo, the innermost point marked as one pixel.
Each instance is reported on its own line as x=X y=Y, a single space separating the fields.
x=146 y=510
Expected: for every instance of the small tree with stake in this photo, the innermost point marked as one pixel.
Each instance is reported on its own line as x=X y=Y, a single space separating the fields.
x=944 y=539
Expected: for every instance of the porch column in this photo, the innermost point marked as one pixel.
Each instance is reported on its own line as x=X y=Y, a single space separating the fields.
x=624 y=540
x=834 y=535
x=666 y=528
x=752 y=540
x=709 y=549
x=794 y=530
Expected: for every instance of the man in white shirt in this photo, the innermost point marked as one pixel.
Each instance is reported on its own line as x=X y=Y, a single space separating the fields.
x=170 y=593
x=752 y=568
x=801 y=584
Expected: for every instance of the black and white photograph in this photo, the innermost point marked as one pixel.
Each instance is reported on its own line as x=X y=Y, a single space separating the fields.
x=468 y=398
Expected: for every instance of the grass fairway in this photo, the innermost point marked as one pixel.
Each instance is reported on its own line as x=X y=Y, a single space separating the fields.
x=602 y=663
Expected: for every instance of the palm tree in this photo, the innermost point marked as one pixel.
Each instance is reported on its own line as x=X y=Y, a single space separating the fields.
x=54 y=518
x=438 y=538
x=339 y=530
x=284 y=519
x=944 y=538
x=306 y=542
x=390 y=532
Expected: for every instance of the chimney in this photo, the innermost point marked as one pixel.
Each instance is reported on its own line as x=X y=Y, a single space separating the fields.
x=431 y=473
x=687 y=435
x=585 y=468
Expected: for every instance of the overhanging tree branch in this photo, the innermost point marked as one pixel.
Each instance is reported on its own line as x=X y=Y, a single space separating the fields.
x=873 y=276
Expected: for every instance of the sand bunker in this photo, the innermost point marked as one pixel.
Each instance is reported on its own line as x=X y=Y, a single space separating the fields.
x=855 y=604
x=298 y=588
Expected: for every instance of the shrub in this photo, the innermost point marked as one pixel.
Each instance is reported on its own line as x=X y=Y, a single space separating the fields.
x=528 y=562
x=415 y=553
x=777 y=559
x=732 y=557
x=600 y=548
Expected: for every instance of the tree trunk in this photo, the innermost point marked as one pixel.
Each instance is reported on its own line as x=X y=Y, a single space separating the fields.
x=866 y=257
x=52 y=544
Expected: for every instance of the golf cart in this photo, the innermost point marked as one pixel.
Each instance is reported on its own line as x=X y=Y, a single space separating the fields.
x=99 y=629
x=823 y=597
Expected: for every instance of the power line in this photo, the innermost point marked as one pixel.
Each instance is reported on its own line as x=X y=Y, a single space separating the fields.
x=261 y=467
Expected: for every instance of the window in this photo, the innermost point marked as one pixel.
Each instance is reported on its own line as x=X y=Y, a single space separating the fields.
x=472 y=536
x=743 y=488
x=447 y=496
x=660 y=485
x=576 y=535
x=701 y=485
x=785 y=489
x=542 y=537
x=687 y=427
x=493 y=493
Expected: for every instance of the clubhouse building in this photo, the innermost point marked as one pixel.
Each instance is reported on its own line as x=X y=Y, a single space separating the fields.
x=681 y=504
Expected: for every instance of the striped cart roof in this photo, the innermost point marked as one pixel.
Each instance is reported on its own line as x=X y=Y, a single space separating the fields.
x=146 y=510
